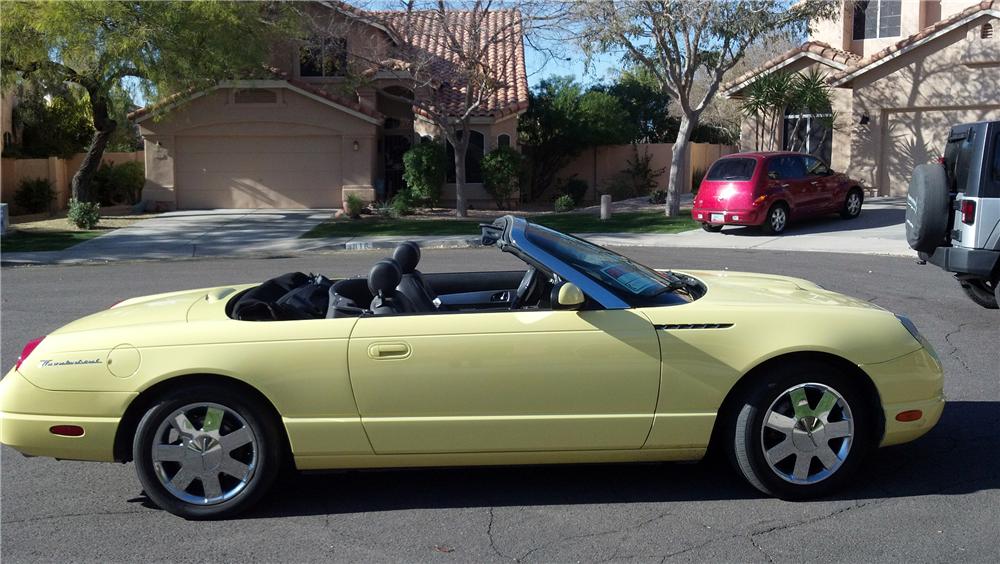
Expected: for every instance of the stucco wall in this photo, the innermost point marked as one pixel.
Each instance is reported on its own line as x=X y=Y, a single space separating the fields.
x=59 y=172
x=911 y=102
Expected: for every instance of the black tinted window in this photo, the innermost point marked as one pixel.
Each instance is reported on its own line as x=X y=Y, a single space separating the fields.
x=815 y=167
x=786 y=168
x=958 y=156
x=732 y=169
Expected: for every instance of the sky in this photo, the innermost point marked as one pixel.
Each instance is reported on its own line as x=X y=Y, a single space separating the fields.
x=540 y=66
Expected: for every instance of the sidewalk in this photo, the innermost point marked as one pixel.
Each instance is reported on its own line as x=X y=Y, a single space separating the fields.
x=275 y=233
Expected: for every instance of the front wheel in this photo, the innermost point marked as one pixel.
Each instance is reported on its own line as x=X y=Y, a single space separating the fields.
x=206 y=452
x=852 y=204
x=982 y=292
x=801 y=432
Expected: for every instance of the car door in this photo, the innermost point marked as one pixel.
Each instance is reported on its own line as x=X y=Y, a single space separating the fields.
x=823 y=184
x=781 y=174
x=505 y=381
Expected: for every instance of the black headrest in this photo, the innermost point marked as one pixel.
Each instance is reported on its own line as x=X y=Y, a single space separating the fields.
x=407 y=254
x=384 y=276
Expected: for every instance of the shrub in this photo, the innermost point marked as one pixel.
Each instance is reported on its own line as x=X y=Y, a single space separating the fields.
x=424 y=171
x=638 y=178
x=696 y=177
x=354 y=205
x=574 y=188
x=118 y=184
x=84 y=215
x=564 y=203
x=502 y=175
x=402 y=204
x=658 y=197
x=34 y=195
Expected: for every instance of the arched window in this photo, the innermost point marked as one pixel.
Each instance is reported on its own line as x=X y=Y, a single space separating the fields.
x=986 y=32
x=473 y=158
x=809 y=132
x=503 y=140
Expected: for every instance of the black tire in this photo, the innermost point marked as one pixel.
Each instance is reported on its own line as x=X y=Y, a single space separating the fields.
x=748 y=439
x=777 y=219
x=927 y=208
x=983 y=292
x=711 y=228
x=238 y=410
x=852 y=204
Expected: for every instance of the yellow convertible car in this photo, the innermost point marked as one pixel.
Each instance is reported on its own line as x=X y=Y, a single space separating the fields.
x=584 y=356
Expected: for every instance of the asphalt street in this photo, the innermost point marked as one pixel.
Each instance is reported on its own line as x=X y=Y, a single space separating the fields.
x=934 y=500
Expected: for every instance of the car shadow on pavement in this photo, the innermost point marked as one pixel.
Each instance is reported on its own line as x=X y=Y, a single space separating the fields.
x=869 y=219
x=960 y=456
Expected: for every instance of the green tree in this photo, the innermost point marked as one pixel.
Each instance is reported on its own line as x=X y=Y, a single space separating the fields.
x=682 y=43
x=770 y=97
x=424 y=169
x=59 y=126
x=502 y=175
x=167 y=46
x=647 y=106
x=562 y=120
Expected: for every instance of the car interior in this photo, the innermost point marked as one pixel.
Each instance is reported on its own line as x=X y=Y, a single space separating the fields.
x=394 y=286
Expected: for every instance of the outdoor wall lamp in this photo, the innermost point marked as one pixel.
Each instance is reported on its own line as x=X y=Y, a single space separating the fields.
x=356 y=146
x=865 y=118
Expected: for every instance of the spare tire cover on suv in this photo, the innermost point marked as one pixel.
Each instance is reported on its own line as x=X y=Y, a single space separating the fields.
x=927 y=208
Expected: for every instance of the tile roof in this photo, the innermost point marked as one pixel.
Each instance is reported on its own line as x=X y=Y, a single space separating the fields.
x=938 y=27
x=817 y=48
x=424 y=32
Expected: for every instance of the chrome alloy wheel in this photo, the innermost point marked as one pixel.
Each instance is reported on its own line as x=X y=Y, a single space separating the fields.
x=854 y=203
x=807 y=433
x=204 y=453
x=778 y=219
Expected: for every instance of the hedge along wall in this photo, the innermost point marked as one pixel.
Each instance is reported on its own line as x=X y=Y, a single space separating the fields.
x=57 y=171
x=598 y=165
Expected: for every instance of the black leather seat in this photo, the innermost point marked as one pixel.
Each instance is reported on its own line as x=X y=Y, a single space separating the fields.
x=412 y=284
x=382 y=281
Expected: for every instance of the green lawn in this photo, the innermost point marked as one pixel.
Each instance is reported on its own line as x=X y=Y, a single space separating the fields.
x=630 y=222
x=25 y=241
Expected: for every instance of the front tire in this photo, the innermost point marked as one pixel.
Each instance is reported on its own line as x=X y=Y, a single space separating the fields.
x=852 y=204
x=984 y=293
x=206 y=452
x=802 y=431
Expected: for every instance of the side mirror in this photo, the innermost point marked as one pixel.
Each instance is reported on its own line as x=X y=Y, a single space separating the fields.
x=566 y=295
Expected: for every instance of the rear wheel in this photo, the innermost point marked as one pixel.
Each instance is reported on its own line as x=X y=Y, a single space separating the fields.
x=802 y=431
x=983 y=292
x=711 y=228
x=206 y=452
x=776 y=220
x=852 y=204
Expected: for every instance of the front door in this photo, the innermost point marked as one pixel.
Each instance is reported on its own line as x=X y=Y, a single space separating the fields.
x=505 y=381
x=823 y=184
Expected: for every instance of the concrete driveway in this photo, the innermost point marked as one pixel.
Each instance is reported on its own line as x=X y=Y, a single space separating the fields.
x=199 y=233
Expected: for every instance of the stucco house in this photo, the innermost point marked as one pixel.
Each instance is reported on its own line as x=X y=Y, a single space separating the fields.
x=311 y=133
x=901 y=72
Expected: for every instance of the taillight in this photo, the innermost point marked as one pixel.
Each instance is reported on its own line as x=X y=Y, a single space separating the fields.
x=27 y=350
x=968 y=212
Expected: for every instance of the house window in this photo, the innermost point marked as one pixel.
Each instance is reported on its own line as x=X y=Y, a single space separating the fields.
x=874 y=19
x=503 y=140
x=986 y=32
x=810 y=133
x=473 y=158
x=255 y=96
x=323 y=57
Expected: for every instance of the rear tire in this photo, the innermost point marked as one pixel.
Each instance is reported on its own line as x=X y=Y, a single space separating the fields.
x=981 y=291
x=711 y=228
x=776 y=221
x=802 y=430
x=852 y=204
x=207 y=452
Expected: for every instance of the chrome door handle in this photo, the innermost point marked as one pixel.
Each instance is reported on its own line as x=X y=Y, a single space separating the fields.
x=385 y=351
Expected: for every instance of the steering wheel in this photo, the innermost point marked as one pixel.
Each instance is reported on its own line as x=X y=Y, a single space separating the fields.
x=524 y=288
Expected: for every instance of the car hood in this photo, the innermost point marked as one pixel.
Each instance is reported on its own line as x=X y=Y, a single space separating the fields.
x=747 y=288
x=157 y=308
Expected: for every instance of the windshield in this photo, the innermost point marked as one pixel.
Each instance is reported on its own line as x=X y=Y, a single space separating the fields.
x=622 y=275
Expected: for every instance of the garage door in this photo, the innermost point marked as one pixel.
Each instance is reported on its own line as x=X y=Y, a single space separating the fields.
x=258 y=172
x=917 y=137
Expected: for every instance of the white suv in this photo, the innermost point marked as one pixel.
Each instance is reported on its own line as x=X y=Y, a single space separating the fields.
x=953 y=210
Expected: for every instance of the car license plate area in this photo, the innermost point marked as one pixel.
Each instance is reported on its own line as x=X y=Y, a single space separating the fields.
x=717 y=217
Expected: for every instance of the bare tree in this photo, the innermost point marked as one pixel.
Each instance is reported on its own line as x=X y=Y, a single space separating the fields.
x=684 y=42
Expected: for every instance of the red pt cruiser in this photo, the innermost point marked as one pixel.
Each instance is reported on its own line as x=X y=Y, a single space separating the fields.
x=769 y=189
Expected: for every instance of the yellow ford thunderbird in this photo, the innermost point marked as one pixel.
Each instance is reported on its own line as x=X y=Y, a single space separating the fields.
x=584 y=356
